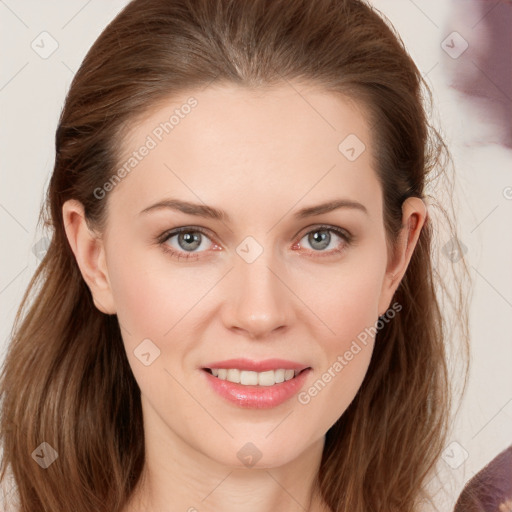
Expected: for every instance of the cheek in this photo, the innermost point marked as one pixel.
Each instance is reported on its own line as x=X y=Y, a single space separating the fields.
x=326 y=397
x=149 y=298
x=348 y=305
x=346 y=354
x=152 y=304
x=157 y=301
x=143 y=303
x=345 y=299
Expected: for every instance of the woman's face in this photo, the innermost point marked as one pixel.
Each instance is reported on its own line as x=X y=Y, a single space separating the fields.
x=260 y=281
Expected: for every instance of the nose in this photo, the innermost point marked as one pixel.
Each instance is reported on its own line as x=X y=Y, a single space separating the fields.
x=259 y=300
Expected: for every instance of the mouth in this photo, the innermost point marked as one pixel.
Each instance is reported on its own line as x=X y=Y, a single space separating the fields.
x=253 y=378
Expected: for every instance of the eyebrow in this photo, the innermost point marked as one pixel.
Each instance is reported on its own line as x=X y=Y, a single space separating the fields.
x=209 y=212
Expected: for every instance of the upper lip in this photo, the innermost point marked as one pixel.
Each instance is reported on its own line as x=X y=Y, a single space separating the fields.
x=257 y=366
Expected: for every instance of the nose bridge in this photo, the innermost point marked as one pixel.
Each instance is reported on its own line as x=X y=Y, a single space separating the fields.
x=262 y=302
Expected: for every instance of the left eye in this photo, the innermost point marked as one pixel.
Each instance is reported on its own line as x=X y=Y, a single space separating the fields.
x=188 y=240
x=320 y=238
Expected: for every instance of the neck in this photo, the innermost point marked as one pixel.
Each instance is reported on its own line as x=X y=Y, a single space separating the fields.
x=178 y=477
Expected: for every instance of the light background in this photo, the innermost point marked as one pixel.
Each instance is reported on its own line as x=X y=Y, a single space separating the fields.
x=32 y=92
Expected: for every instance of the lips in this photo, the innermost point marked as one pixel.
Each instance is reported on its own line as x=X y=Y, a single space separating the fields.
x=257 y=396
x=256 y=384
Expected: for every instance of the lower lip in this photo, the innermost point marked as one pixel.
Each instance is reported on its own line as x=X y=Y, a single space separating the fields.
x=257 y=397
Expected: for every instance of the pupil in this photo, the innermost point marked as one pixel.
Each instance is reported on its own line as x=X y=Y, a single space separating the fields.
x=189 y=239
x=323 y=239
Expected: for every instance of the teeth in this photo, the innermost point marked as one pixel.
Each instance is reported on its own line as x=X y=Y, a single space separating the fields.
x=279 y=375
x=233 y=375
x=249 y=378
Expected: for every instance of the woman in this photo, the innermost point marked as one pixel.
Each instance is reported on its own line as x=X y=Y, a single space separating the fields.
x=238 y=307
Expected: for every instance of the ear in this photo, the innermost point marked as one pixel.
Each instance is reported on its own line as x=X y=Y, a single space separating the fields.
x=414 y=215
x=89 y=253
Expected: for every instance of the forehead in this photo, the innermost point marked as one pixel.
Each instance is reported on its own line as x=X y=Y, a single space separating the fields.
x=251 y=146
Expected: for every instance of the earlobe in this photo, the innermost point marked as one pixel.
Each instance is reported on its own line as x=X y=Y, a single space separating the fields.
x=89 y=252
x=414 y=216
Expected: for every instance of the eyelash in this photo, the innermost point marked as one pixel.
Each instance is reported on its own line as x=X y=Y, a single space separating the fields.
x=165 y=237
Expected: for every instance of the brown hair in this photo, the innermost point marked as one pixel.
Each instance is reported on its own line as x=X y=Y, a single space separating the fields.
x=66 y=378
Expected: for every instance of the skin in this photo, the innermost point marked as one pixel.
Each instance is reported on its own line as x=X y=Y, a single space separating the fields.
x=261 y=155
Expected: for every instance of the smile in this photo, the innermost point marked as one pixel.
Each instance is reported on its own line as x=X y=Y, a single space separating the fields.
x=256 y=390
x=252 y=378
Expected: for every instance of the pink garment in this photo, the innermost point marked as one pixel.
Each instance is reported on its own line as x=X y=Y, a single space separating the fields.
x=483 y=71
x=490 y=490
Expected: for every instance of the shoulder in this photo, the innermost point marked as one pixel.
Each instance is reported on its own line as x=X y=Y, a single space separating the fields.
x=491 y=488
